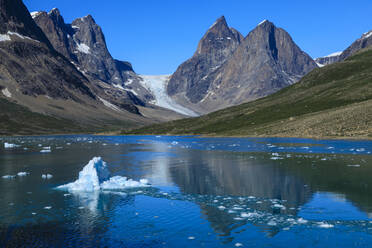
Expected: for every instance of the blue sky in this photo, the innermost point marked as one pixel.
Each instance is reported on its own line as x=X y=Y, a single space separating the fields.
x=156 y=36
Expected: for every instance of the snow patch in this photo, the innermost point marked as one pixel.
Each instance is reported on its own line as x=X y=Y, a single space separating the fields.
x=21 y=36
x=35 y=14
x=84 y=48
x=333 y=54
x=157 y=86
x=319 y=64
x=96 y=176
x=367 y=35
x=4 y=37
x=262 y=22
x=109 y=105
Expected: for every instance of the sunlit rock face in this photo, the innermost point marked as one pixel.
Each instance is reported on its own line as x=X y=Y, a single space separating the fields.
x=227 y=70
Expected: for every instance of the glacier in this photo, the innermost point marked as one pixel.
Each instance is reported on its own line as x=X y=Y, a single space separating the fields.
x=95 y=176
x=157 y=86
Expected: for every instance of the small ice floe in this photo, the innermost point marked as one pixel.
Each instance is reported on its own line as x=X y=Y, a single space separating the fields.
x=360 y=149
x=249 y=215
x=279 y=206
x=221 y=207
x=272 y=223
x=46 y=176
x=174 y=143
x=48 y=207
x=191 y=238
x=8 y=176
x=96 y=176
x=39 y=145
x=66 y=195
x=353 y=165
x=325 y=225
x=22 y=174
x=9 y=145
x=301 y=221
x=33 y=213
x=238 y=244
x=68 y=144
x=46 y=151
x=276 y=158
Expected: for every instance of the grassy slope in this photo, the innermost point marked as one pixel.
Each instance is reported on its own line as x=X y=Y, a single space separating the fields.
x=333 y=101
x=18 y=120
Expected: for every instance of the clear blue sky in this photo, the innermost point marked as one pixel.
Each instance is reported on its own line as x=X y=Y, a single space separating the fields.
x=157 y=35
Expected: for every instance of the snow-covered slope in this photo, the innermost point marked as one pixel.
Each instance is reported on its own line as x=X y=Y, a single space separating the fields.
x=157 y=85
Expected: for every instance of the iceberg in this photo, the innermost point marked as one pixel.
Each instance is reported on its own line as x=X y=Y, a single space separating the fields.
x=95 y=176
x=8 y=145
x=46 y=176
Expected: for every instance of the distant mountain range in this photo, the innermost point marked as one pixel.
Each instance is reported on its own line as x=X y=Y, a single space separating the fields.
x=54 y=72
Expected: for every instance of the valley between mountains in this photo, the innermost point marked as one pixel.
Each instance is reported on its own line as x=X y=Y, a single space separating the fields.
x=58 y=77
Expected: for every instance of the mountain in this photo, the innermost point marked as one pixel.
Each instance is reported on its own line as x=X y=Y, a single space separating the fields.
x=84 y=44
x=363 y=42
x=40 y=83
x=332 y=101
x=227 y=70
x=329 y=59
x=216 y=46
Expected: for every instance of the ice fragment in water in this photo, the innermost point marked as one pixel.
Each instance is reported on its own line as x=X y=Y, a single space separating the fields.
x=46 y=176
x=96 y=176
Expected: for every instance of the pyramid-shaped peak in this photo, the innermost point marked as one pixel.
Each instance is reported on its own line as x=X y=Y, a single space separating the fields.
x=54 y=11
x=220 y=22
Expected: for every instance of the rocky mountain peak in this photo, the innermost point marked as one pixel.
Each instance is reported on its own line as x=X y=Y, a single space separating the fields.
x=214 y=48
x=14 y=17
x=218 y=37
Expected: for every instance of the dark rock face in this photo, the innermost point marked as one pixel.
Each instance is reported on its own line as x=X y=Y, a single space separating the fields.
x=29 y=61
x=216 y=46
x=84 y=44
x=361 y=43
x=238 y=70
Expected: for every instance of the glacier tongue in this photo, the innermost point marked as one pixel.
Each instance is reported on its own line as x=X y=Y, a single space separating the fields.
x=157 y=86
x=96 y=176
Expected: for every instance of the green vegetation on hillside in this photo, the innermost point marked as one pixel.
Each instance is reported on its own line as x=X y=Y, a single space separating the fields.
x=333 y=101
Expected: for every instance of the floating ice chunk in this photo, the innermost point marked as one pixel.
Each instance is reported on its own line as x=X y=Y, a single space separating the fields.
x=46 y=151
x=301 y=221
x=191 y=238
x=238 y=244
x=272 y=223
x=8 y=176
x=279 y=206
x=22 y=174
x=96 y=176
x=325 y=225
x=48 y=207
x=221 y=207
x=276 y=158
x=118 y=182
x=353 y=165
x=8 y=145
x=249 y=215
x=46 y=176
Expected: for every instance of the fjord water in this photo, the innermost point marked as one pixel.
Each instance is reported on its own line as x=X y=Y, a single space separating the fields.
x=205 y=192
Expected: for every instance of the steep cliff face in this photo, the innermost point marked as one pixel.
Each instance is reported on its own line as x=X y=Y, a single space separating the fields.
x=28 y=61
x=214 y=49
x=230 y=71
x=84 y=44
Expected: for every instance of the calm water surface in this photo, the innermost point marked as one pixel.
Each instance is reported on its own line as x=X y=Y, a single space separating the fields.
x=205 y=192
